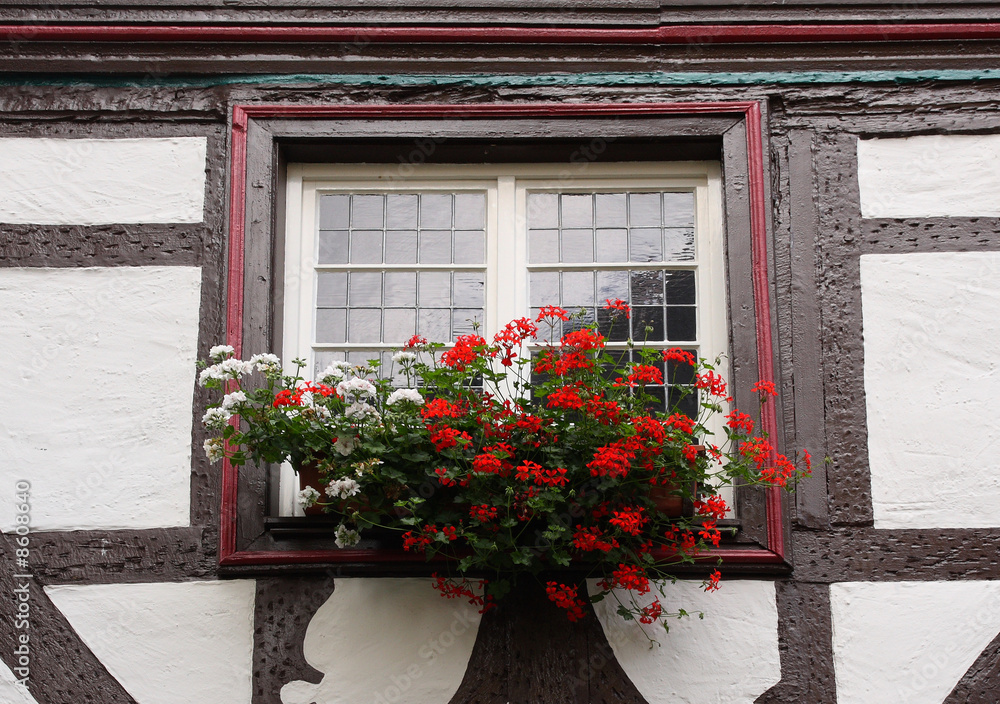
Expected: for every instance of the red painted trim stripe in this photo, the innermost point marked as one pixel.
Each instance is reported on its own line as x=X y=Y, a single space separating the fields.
x=672 y=34
x=775 y=552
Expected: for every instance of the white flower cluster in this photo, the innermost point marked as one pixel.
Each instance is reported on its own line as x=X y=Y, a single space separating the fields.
x=221 y=352
x=411 y=395
x=334 y=372
x=230 y=400
x=307 y=497
x=358 y=411
x=356 y=389
x=343 y=488
x=216 y=418
x=345 y=537
x=215 y=449
x=403 y=357
x=226 y=369
x=267 y=363
x=345 y=444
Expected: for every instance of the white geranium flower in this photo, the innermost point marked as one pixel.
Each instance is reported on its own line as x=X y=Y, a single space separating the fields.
x=359 y=411
x=215 y=449
x=265 y=362
x=345 y=445
x=355 y=389
x=207 y=373
x=234 y=368
x=221 y=352
x=404 y=357
x=216 y=418
x=345 y=537
x=411 y=395
x=230 y=400
x=333 y=372
x=342 y=488
x=307 y=497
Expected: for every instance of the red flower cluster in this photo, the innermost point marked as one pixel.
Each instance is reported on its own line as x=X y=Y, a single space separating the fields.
x=553 y=312
x=513 y=334
x=533 y=471
x=415 y=341
x=605 y=412
x=739 y=421
x=611 y=461
x=583 y=340
x=627 y=577
x=712 y=382
x=643 y=374
x=618 y=305
x=649 y=614
x=450 y=589
x=712 y=582
x=765 y=389
x=675 y=354
x=630 y=521
x=714 y=506
x=286 y=397
x=592 y=539
x=465 y=351
x=484 y=513
x=567 y=398
x=566 y=597
x=440 y=408
x=444 y=438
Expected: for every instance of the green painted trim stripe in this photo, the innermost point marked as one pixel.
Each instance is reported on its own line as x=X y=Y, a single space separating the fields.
x=655 y=78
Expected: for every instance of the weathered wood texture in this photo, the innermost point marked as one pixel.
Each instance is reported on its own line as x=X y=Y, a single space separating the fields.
x=529 y=652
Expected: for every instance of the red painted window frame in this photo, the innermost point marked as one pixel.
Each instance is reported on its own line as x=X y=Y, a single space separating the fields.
x=773 y=553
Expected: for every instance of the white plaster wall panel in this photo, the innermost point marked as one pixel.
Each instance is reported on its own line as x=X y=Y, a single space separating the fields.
x=932 y=378
x=96 y=394
x=929 y=176
x=168 y=643
x=386 y=641
x=909 y=642
x=101 y=181
x=10 y=691
x=740 y=627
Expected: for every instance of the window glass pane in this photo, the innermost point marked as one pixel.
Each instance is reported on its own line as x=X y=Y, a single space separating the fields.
x=645 y=244
x=334 y=212
x=364 y=325
x=647 y=287
x=470 y=247
x=435 y=210
x=678 y=209
x=680 y=287
x=470 y=289
x=470 y=211
x=612 y=210
x=543 y=288
x=647 y=317
x=612 y=245
x=401 y=288
x=401 y=247
x=333 y=248
x=577 y=288
x=401 y=211
x=679 y=244
x=577 y=246
x=465 y=320
x=434 y=324
x=644 y=210
x=400 y=325
x=434 y=288
x=577 y=210
x=366 y=212
x=435 y=247
x=331 y=325
x=366 y=247
x=543 y=246
x=331 y=289
x=613 y=285
x=365 y=288
x=543 y=210
x=681 y=323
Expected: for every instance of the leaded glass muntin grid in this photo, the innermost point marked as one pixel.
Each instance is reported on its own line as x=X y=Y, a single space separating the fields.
x=390 y=264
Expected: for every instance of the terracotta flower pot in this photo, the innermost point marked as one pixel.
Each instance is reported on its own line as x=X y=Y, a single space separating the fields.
x=668 y=502
x=309 y=476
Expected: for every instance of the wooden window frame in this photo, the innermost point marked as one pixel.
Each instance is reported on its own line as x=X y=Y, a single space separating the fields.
x=261 y=144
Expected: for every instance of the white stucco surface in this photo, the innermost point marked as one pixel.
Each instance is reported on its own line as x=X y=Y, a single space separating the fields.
x=96 y=394
x=909 y=642
x=386 y=641
x=928 y=176
x=168 y=643
x=740 y=626
x=932 y=380
x=10 y=692
x=97 y=181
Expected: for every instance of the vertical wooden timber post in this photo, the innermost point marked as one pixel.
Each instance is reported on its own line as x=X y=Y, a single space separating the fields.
x=528 y=652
